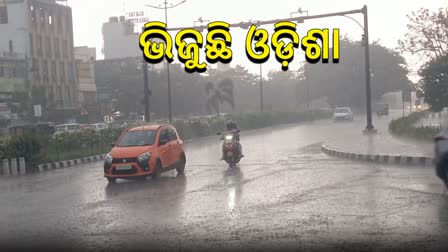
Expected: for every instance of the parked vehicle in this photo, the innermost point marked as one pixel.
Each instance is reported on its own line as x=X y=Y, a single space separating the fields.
x=231 y=152
x=66 y=128
x=145 y=151
x=343 y=114
x=99 y=126
x=382 y=109
x=441 y=155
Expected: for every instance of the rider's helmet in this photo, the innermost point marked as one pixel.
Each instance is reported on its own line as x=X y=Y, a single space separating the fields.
x=229 y=123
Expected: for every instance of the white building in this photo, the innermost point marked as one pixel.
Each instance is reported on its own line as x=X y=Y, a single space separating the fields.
x=121 y=42
x=41 y=32
x=85 y=62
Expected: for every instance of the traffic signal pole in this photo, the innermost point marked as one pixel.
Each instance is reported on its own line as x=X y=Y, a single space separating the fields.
x=245 y=25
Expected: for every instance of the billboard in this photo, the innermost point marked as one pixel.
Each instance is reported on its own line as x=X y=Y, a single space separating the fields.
x=137 y=17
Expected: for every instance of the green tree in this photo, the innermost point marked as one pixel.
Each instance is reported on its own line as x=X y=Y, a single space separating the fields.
x=427 y=33
x=435 y=83
x=219 y=94
x=344 y=83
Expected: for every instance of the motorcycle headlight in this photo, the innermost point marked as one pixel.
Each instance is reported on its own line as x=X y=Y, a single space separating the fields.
x=229 y=137
x=144 y=157
x=108 y=159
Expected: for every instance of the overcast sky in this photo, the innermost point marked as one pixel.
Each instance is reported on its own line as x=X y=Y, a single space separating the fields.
x=387 y=20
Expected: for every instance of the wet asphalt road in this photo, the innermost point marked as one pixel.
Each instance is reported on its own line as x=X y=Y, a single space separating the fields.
x=285 y=194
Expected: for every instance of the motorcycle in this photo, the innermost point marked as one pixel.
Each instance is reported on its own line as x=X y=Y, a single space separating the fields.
x=230 y=149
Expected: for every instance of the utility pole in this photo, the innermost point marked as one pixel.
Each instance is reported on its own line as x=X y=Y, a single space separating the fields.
x=261 y=89
x=369 y=126
x=146 y=90
x=307 y=87
x=170 y=116
x=244 y=25
x=402 y=99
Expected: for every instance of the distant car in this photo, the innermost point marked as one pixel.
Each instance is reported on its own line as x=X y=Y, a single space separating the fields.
x=343 y=114
x=145 y=151
x=66 y=128
x=441 y=155
x=99 y=126
x=382 y=109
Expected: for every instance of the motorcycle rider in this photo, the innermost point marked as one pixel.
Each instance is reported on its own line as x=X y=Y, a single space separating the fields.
x=233 y=127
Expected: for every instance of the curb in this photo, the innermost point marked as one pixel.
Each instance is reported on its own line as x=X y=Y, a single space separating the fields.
x=382 y=159
x=68 y=163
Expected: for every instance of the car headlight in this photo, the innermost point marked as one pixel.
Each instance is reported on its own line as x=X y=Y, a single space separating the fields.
x=229 y=137
x=144 y=157
x=108 y=159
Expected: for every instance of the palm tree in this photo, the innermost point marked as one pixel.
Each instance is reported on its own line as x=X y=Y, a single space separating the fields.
x=219 y=94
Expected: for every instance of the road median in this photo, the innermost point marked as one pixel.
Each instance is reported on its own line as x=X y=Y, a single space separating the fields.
x=379 y=158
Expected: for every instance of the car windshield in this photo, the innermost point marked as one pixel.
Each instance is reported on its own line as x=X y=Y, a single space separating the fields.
x=341 y=110
x=73 y=127
x=138 y=138
x=102 y=126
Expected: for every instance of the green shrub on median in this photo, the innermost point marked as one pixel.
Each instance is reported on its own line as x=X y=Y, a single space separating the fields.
x=404 y=126
x=41 y=149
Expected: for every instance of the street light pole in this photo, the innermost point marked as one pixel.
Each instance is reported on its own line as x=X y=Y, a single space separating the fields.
x=261 y=89
x=307 y=87
x=146 y=90
x=170 y=116
x=369 y=126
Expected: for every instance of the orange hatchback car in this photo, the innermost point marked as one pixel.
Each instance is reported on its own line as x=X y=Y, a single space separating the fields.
x=145 y=151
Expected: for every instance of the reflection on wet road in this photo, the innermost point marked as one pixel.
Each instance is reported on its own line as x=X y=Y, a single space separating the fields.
x=284 y=193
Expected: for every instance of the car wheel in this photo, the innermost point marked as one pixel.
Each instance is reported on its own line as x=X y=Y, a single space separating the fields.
x=182 y=162
x=442 y=169
x=112 y=180
x=157 y=171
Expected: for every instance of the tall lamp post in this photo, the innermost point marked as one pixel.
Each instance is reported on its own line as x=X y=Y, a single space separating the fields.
x=365 y=42
x=300 y=11
x=261 y=89
x=166 y=7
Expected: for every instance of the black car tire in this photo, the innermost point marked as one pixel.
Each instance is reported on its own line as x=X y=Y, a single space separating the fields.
x=112 y=180
x=157 y=171
x=182 y=162
x=442 y=169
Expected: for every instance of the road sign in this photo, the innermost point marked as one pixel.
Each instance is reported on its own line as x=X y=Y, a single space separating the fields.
x=37 y=110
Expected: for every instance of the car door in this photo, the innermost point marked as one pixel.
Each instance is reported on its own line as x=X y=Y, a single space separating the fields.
x=164 y=148
x=175 y=145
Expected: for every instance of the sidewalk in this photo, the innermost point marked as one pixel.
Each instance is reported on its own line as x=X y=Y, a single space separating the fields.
x=348 y=137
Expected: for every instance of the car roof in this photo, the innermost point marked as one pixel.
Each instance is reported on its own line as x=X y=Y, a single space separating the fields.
x=68 y=124
x=148 y=127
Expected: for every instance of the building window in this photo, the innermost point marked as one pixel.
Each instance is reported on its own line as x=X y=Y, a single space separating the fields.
x=11 y=47
x=53 y=71
x=42 y=16
x=48 y=42
x=2 y=72
x=31 y=44
x=3 y=14
x=45 y=71
x=39 y=45
x=62 y=72
x=57 y=48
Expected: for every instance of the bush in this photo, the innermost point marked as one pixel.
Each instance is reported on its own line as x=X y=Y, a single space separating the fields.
x=405 y=127
x=37 y=149
x=28 y=146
